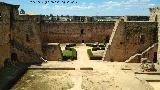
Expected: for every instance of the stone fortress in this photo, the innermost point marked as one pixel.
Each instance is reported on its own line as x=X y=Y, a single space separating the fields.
x=25 y=37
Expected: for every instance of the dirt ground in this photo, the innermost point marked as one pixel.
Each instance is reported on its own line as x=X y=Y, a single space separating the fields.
x=104 y=76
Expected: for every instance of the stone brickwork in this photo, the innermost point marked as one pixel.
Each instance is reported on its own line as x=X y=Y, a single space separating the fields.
x=76 y=32
x=155 y=16
x=53 y=52
x=7 y=12
x=131 y=37
x=22 y=36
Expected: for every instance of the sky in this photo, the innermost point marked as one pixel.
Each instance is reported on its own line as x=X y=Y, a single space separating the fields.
x=87 y=7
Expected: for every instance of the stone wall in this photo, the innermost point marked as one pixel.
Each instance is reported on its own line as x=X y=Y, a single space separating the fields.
x=131 y=38
x=4 y=33
x=53 y=52
x=76 y=32
x=155 y=16
x=26 y=40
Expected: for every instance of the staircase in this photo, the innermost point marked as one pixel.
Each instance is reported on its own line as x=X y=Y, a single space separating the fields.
x=137 y=54
x=111 y=38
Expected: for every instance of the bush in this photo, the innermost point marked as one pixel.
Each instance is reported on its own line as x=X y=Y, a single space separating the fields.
x=92 y=57
x=102 y=45
x=88 y=44
x=96 y=58
x=74 y=53
x=96 y=48
x=69 y=54
x=91 y=45
x=67 y=48
x=71 y=45
x=89 y=52
x=102 y=48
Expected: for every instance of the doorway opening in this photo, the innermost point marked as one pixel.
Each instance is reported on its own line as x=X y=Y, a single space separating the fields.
x=14 y=57
x=107 y=39
x=155 y=57
x=82 y=41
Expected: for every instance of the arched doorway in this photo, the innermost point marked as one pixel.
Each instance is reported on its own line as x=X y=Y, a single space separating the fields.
x=14 y=57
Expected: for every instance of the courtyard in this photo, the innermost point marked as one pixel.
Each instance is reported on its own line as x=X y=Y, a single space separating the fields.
x=85 y=74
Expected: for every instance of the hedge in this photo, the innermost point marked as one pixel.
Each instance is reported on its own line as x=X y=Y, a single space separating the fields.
x=70 y=54
x=94 y=45
x=98 y=48
x=67 y=48
x=71 y=45
x=93 y=57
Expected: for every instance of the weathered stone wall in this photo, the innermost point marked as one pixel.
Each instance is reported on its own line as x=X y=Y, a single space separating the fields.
x=151 y=54
x=53 y=52
x=26 y=40
x=155 y=16
x=4 y=33
x=132 y=38
x=76 y=32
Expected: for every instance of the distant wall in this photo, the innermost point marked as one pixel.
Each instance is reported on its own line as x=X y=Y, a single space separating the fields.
x=76 y=32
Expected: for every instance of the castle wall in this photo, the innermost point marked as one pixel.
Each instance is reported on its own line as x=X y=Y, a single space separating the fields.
x=131 y=38
x=4 y=33
x=155 y=16
x=76 y=32
x=53 y=52
x=26 y=41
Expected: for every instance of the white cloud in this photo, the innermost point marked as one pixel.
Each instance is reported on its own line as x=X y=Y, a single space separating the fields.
x=45 y=6
x=125 y=4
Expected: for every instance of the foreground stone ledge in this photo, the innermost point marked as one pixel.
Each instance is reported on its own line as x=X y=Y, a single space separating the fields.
x=86 y=68
x=149 y=73
x=65 y=68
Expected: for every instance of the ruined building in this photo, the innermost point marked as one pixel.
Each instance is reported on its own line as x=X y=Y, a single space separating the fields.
x=25 y=37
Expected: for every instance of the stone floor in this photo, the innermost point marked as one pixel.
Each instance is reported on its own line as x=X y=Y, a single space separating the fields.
x=104 y=76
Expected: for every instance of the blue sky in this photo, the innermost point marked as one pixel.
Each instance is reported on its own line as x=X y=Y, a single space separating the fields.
x=88 y=7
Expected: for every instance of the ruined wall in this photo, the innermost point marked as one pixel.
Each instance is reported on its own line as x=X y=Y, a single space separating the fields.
x=151 y=54
x=4 y=33
x=131 y=38
x=53 y=52
x=76 y=32
x=26 y=40
x=155 y=16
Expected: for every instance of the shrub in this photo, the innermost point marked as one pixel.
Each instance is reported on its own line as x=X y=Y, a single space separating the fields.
x=93 y=57
x=102 y=45
x=91 y=45
x=102 y=48
x=71 y=45
x=69 y=54
x=96 y=48
x=67 y=48
x=88 y=44
x=96 y=58
x=74 y=53
x=89 y=52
